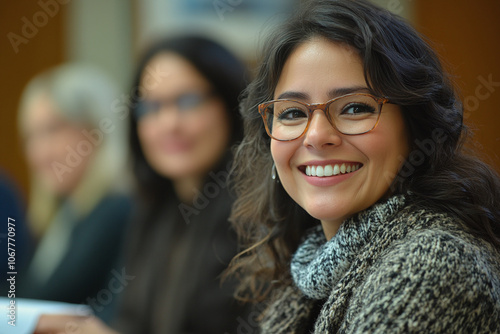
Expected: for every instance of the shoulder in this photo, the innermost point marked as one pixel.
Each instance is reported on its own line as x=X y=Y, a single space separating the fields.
x=439 y=242
x=440 y=258
x=438 y=276
x=436 y=243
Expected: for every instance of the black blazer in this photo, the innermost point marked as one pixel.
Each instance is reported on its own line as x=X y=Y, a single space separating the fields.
x=176 y=259
x=90 y=262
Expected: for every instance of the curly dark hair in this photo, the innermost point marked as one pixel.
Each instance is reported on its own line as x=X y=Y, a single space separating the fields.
x=398 y=63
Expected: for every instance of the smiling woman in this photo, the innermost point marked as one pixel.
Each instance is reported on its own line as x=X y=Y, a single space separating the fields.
x=316 y=68
x=360 y=210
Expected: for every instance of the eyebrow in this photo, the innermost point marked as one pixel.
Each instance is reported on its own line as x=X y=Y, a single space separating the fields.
x=331 y=94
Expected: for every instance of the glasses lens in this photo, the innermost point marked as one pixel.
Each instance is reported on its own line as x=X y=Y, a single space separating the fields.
x=190 y=101
x=184 y=103
x=354 y=114
x=146 y=107
x=286 y=120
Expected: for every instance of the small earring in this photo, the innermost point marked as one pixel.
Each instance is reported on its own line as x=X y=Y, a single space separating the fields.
x=273 y=172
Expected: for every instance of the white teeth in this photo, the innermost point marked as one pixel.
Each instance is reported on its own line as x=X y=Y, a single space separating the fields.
x=336 y=170
x=329 y=170
x=320 y=171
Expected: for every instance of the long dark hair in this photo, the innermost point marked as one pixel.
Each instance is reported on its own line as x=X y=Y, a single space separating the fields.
x=398 y=63
x=221 y=68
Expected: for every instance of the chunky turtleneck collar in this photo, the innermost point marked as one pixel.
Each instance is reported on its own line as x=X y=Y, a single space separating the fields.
x=319 y=264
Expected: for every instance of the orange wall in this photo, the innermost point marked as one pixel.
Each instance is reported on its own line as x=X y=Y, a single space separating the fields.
x=467 y=36
x=43 y=49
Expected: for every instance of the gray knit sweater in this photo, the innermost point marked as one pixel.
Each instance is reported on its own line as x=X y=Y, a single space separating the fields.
x=391 y=269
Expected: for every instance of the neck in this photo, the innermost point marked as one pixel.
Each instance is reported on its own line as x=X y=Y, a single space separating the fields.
x=187 y=188
x=330 y=228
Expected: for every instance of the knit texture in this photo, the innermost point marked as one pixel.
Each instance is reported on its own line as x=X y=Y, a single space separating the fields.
x=391 y=269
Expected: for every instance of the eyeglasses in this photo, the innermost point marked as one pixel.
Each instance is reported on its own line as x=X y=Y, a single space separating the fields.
x=185 y=104
x=351 y=114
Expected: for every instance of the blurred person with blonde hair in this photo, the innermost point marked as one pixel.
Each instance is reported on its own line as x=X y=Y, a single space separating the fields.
x=78 y=206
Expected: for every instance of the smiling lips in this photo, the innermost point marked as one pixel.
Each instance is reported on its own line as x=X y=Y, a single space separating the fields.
x=331 y=170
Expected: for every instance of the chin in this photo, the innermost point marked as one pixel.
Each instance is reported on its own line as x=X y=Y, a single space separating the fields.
x=59 y=188
x=325 y=217
x=322 y=214
x=326 y=208
x=174 y=173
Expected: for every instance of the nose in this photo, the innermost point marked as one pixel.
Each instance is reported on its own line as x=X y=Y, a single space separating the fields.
x=321 y=133
x=169 y=117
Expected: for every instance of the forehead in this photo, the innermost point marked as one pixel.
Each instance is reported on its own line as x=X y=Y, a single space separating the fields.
x=318 y=66
x=168 y=72
x=40 y=107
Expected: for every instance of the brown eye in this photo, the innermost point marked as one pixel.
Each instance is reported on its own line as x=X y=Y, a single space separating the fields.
x=357 y=109
x=291 y=114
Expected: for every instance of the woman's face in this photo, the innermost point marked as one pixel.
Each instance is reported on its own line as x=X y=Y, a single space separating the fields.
x=315 y=70
x=52 y=145
x=185 y=129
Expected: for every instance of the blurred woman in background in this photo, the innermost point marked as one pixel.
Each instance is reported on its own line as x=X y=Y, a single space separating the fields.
x=182 y=128
x=183 y=122
x=78 y=208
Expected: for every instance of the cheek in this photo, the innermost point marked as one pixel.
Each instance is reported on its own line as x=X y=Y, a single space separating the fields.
x=386 y=152
x=34 y=152
x=63 y=148
x=279 y=155
x=69 y=138
x=42 y=152
x=83 y=148
x=282 y=153
x=211 y=132
x=201 y=129
x=146 y=133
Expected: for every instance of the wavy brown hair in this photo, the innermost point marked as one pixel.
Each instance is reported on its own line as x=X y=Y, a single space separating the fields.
x=399 y=64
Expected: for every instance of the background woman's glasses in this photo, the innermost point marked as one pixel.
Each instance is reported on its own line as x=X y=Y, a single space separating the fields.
x=186 y=103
